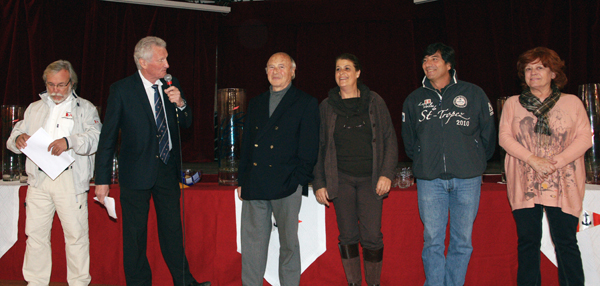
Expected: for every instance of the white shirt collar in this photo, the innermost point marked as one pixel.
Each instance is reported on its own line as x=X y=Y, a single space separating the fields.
x=147 y=83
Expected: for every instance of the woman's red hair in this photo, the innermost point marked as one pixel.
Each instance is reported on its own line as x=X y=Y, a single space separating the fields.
x=549 y=59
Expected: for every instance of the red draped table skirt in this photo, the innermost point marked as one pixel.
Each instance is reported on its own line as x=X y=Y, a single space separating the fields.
x=211 y=242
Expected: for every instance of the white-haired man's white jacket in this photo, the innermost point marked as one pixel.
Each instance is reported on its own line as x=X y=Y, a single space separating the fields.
x=83 y=139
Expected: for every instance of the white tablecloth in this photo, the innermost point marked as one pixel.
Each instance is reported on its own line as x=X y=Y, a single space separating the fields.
x=9 y=215
x=588 y=239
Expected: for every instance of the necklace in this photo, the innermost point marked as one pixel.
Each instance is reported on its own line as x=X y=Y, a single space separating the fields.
x=357 y=94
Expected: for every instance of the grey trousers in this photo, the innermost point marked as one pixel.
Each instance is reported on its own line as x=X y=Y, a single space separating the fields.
x=255 y=234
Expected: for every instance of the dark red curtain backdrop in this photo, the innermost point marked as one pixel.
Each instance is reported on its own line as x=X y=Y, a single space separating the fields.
x=388 y=36
x=98 y=38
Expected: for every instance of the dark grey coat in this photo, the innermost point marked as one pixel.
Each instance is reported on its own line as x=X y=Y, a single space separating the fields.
x=385 y=146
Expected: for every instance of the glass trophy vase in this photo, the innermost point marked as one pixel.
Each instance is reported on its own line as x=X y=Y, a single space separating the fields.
x=590 y=95
x=231 y=110
x=500 y=105
x=12 y=164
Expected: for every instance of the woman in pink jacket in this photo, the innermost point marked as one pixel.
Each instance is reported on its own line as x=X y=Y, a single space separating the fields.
x=545 y=134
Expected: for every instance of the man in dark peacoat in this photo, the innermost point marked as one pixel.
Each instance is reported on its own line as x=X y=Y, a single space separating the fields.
x=144 y=172
x=279 y=150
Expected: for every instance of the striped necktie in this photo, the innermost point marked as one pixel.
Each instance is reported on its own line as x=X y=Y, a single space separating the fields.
x=161 y=124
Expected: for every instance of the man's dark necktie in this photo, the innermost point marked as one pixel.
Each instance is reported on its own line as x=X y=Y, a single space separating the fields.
x=161 y=124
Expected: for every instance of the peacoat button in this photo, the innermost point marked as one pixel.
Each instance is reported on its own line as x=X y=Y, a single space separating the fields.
x=270 y=166
x=271 y=146
x=256 y=127
x=156 y=156
x=254 y=163
x=255 y=145
x=276 y=127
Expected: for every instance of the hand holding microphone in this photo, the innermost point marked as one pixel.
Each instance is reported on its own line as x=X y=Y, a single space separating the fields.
x=173 y=92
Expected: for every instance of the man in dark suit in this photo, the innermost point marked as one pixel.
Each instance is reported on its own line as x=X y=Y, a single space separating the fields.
x=146 y=110
x=279 y=151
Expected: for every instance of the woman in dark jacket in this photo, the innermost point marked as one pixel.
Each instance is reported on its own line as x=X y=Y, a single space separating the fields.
x=358 y=153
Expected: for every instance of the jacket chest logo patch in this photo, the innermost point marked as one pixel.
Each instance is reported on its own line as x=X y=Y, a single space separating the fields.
x=68 y=115
x=460 y=101
x=426 y=103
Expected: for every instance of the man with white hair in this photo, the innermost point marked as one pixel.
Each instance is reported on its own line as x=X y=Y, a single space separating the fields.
x=73 y=123
x=147 y=110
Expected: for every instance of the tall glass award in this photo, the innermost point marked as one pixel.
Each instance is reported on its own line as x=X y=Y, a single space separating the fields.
x=590 y=95
x=231 y=110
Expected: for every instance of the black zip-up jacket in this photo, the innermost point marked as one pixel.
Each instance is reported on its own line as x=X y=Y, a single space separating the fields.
x=448 y=135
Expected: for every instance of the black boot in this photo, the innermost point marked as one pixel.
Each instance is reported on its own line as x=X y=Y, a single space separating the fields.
x=351 y=263
x=373 y=261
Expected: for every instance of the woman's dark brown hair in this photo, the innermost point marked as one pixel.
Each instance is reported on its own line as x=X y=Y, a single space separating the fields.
x=549 y=59
x=350 y=57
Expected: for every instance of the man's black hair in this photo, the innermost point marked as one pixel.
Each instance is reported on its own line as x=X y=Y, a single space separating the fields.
x=446 y=51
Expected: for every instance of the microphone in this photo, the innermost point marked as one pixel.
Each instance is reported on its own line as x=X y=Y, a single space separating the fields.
x=169 y=79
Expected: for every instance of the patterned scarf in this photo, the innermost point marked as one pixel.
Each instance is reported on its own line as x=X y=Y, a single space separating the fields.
x=540 y=109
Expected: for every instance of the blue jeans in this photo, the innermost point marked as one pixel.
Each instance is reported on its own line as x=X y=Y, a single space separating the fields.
x=437 y=198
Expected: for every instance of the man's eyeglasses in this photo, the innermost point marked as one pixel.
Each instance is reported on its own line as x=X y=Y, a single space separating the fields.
x=60 y=86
